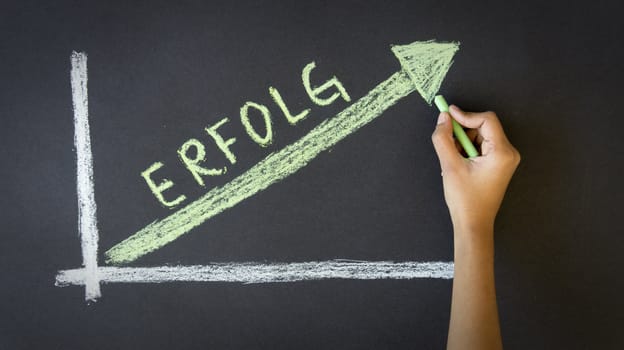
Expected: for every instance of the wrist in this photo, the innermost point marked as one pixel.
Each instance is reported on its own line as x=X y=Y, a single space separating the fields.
x=474 y=238
x=479 y=227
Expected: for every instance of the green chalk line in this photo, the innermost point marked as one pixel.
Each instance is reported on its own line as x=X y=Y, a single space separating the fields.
x=427 y=61
x=459 y=132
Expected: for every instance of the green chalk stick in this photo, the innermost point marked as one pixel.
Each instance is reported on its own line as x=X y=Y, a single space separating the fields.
x=459 y=132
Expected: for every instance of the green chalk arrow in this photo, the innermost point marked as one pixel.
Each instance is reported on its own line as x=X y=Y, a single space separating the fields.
x=424 y=65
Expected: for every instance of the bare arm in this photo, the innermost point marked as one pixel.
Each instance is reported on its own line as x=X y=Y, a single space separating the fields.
x=473 y=190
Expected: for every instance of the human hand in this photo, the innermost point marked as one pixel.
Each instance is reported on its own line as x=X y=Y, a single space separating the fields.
x=474 y=188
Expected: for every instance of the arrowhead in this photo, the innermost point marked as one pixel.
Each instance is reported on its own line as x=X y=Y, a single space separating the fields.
x=426 y=62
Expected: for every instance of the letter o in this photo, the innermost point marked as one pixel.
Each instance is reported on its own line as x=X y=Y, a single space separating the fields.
x=244 y=115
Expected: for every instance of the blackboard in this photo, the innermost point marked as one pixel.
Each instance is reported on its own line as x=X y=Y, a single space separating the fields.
x=160 y=72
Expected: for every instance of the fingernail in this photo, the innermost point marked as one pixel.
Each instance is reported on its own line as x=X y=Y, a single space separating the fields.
x=442 y=118
x=455 y=108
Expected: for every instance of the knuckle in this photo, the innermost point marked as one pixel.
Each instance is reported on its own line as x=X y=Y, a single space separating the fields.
x=509 y=155
x=435 y=136
x=517 y=156
x=490 y=115
x=449 y=167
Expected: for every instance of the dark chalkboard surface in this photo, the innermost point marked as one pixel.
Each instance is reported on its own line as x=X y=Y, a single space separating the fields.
x=159 y=73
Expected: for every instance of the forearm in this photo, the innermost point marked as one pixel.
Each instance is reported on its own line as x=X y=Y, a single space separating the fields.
x=474 y=315
x=474 y=189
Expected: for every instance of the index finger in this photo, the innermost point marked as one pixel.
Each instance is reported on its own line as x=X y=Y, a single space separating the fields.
x=487 y=123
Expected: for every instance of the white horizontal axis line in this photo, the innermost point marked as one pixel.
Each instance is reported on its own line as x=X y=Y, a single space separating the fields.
x=254 y=272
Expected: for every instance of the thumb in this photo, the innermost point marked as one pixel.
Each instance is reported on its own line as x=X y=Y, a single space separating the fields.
x=444 y=143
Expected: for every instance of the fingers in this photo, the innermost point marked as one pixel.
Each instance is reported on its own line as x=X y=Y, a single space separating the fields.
x=444 y=143
x=490 y=135
x=474 y=136
x=487 y=123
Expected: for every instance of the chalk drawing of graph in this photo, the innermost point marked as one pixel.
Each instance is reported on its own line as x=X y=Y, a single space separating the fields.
x=424 y=65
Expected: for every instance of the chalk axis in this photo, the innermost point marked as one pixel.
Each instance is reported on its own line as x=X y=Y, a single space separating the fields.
x=87 y=218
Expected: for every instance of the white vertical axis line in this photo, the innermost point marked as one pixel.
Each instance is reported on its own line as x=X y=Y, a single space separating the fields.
x=87 y=219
